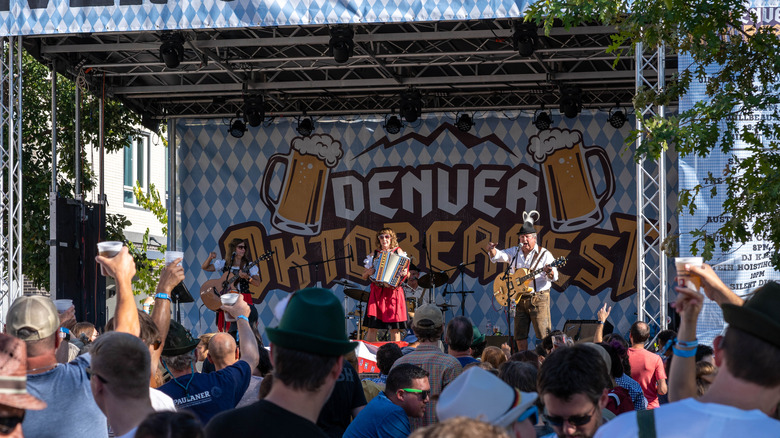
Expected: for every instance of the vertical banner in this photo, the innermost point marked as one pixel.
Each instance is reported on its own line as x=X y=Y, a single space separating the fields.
x=317 y=202
x=746 y=266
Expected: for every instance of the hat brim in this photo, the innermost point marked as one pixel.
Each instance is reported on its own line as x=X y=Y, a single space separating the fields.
x=178 y=351
x=526 y=400
x=309 y=343
x=751 y=321
x=22 y=401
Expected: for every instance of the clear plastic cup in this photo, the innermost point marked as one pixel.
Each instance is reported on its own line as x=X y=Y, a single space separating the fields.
x=109 y=249
x=170 y=256
x=229 y=299
x=62 y=305
x=688 y=279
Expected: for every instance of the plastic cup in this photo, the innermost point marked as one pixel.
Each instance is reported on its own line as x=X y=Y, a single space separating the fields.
x=63 y=305
x=170 y=256
x=229 y=299
x=109 y=249
x=685 y=278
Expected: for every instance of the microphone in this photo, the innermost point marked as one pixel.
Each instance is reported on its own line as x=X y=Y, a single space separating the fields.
x=234 y=253
x=424 y=245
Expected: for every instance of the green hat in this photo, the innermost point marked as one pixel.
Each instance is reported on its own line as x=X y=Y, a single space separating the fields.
x=179 y=340
x=478 y=337
x=759 y=316
x=313 y=322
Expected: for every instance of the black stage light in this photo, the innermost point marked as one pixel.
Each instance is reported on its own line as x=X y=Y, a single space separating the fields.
x=341 y=44
x=464 y=123
x=571 y=101
x=253 y=109
x=237 y=126
x=542 y=120
x=617 y=118
x=172 y=50
x=393 y=124
x=411 y=105
x=525 y=38
x=305 y=126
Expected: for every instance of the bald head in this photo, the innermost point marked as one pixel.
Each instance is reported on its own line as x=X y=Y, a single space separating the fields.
x=222 y=350
x=639 y=332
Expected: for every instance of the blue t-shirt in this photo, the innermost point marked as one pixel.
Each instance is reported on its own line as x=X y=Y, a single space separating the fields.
x=209 y=394
x=71 y=410
x=465 y=360
x=381 y=418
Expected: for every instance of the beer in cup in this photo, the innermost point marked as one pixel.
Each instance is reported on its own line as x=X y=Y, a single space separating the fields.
x=229 y=299
x=63 y=305
x=170 y=256
x=688 y=279
x=108 y=249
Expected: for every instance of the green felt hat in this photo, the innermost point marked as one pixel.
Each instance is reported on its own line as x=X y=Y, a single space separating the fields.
x=759 y=316
x=313 y=322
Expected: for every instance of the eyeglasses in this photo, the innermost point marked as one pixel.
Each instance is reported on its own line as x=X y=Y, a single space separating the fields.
x=8 y=424
x=532 y=413
x=422 y=393
x=385 y=236
x=574 y=420
x=91 y=373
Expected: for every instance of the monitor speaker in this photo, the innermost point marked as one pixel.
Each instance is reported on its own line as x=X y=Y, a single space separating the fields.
x=583 y=330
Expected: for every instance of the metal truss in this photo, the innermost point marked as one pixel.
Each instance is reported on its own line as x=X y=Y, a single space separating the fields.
x=457 y=65
x=11 y=178
x=651 y=200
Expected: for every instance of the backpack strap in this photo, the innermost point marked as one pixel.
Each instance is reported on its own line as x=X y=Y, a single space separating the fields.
x=646 y=422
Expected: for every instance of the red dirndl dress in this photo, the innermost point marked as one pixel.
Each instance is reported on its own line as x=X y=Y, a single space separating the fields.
x=386 y=305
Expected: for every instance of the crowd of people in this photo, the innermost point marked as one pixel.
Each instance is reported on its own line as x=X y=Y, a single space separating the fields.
x=146 y=376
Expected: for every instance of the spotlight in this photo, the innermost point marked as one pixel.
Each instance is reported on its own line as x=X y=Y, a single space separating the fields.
x=464 y=123
x=237 y=126
x=393 y=124
x=411 y=105
x=172 y=50
x=341 y=44
x=253 y=109
x=617 y=118
x=525 y=38
x=305 y=126
x=542 y=120
x=571 y=101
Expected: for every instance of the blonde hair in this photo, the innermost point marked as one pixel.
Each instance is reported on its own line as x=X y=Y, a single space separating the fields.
x=494 y=356
x=393 y=238
x=460 y=427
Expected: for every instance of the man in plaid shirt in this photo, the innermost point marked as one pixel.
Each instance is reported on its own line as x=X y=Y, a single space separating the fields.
x=428 y=326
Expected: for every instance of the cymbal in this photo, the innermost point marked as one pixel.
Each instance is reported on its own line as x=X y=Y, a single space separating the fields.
x=357 y=294
x=434 y=279
x=445 y=306
x=346 y=283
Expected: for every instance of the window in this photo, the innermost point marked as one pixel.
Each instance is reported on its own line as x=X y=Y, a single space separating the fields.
x=136 y=166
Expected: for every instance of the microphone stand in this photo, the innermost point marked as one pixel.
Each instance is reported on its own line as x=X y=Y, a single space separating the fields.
x=462 y=268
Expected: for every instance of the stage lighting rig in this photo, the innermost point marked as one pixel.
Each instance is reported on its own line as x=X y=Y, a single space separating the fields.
x=542 y=120
x=411 y=105
x=237 y=126
x=617 y=117
x=525 y=38
x=341 y=43
x=254 y=110
x=465 y=122
x=393 y=124
x=172 y=49
x=571 y=101
x=305 y=126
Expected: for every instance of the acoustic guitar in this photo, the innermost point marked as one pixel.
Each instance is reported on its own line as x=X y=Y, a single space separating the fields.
x=519 y=283
x=212 y=289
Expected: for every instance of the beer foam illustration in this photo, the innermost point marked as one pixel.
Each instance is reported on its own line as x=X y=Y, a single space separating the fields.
x=320 y=145
x=546 y=142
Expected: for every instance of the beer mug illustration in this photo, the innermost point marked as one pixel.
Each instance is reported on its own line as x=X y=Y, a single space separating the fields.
x=572 y=200
x=297 y=207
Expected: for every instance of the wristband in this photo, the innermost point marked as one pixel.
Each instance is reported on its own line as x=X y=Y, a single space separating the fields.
x=162 y=295
x=689 y=344
x=601 y=322
x=242 y=317
x=683 y=353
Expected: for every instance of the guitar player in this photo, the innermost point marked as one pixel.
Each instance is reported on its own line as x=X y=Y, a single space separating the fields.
x=534 y=304
x=240 y=257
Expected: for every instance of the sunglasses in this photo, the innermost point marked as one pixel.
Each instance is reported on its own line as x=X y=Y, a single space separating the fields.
x=91 y=373
x=532 y=413
x=422 y=393
x=385 y=236
x=8 y=424
x=241 y=247
x=574 y=420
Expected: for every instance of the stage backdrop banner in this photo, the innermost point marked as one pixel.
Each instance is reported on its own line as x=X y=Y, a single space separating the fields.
x=47 y=17
x=317 y=202
x=745 y=267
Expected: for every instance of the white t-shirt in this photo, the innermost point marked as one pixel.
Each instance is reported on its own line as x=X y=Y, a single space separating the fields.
x=161 y=401
x=690 y=418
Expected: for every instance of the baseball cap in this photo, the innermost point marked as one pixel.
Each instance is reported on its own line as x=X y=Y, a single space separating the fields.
x=427 y=316
x=35 y=313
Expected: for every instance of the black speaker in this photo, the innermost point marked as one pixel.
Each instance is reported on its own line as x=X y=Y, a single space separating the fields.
x=80 y=226
x=582 y=330
x=496 y=341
